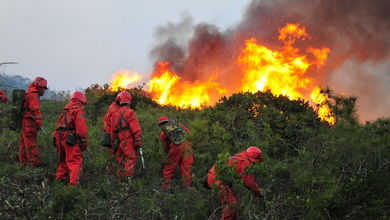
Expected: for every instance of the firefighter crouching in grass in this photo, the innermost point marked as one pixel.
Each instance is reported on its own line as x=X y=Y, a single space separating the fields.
x=239 y=162
x=126 y=137
x=29 y=152
x=179 y=152
x=71 y=139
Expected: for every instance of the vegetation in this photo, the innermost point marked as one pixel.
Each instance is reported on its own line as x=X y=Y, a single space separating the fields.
x=311 y=170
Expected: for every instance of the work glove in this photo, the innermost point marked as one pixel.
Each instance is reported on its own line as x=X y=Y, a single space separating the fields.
x=259 y=194
x=54 y=142
x=138 y=143
x=83 y=147
x=83 y=144
x=139 y=149
x=38 y=123
x=115 y=145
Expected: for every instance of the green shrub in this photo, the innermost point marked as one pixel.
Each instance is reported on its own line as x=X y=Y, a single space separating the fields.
x=311 y=170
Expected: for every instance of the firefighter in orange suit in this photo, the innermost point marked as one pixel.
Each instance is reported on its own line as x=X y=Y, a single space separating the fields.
x=29 y=152
x=240 y=162
x=126 y=136
x=114 y=107
x=71 y=139
x=3 y=96
x=178 y=155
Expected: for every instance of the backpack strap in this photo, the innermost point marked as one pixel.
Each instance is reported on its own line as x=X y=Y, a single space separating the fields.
x=65 y=116
x=123 y=120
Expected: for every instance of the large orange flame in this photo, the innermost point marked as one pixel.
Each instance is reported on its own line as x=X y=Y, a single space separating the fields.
x=167 y=88
x=284 y=71
x=123 y=79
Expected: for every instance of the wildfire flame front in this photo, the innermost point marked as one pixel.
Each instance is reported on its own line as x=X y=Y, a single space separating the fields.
x=283 y=71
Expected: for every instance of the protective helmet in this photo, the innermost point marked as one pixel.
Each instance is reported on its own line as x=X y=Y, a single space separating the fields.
x=124 y=97
x=254 y=154
x=79 y=96
x=162 y=120
x=40 y=82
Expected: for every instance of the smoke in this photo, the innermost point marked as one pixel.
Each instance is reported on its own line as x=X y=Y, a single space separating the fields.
x=369 y=82
x=171 y=40
x=356 y=31
x=197 y=51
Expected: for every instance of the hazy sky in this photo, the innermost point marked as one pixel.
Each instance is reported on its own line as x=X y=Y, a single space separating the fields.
x=77 y=43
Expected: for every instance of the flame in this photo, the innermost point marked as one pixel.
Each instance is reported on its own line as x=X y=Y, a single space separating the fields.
x=123 y=79
x=292 y=32
x=321 y=100
x=266 y=69
x=284 y=71
x=168 y=88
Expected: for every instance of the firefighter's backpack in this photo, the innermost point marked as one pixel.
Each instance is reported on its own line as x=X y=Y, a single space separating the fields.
x=17 y=109
x=174 y=132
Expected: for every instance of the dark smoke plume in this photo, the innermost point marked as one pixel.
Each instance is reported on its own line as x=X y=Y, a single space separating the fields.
x=356 y=31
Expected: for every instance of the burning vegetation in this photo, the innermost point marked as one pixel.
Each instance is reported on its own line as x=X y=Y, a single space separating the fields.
x=124 y=79
x=284 y=70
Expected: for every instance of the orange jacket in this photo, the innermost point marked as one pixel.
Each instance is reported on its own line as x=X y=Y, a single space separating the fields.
x=33 y=105
x=240 y=161
x=3 y=96
x=114 y=107
x=125 y=125
x=72 y=120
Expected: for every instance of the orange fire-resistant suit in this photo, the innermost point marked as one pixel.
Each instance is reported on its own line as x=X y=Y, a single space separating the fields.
x=3 y=96
x=71 y=121
x=226 y=195
x=29 y=152
x=114 y=107
x=126 y=128
x=177 y=156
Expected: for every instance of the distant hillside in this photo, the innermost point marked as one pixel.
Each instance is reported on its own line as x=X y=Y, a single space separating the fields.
x=17 y=81
x=10 y=82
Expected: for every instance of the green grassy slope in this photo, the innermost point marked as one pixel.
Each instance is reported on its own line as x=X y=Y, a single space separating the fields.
x=311 y=170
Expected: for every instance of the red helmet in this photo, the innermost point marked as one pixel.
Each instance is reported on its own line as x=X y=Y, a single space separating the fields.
x=124 y=97
x=254 y=154
x=79 y=96
x=162 y=120
x=40 y=82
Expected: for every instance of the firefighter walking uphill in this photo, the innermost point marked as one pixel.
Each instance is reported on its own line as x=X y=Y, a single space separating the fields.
x=179 y=152
x=71 y=139
x=114 y=107
x=29 y=152
x=126 y=137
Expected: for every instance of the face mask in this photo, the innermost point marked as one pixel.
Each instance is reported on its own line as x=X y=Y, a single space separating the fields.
x=41 y=91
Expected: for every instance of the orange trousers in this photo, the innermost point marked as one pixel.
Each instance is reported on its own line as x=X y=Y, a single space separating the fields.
x=29 y=152
x=178 y=156
x=70 y=165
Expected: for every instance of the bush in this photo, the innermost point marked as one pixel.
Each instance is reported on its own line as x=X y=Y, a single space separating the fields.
x=311 y=171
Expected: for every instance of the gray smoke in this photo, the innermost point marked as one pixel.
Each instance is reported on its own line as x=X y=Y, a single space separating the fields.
x=356 y=31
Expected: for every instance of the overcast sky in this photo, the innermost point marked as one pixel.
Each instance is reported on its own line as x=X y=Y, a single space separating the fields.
x=76 y=43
